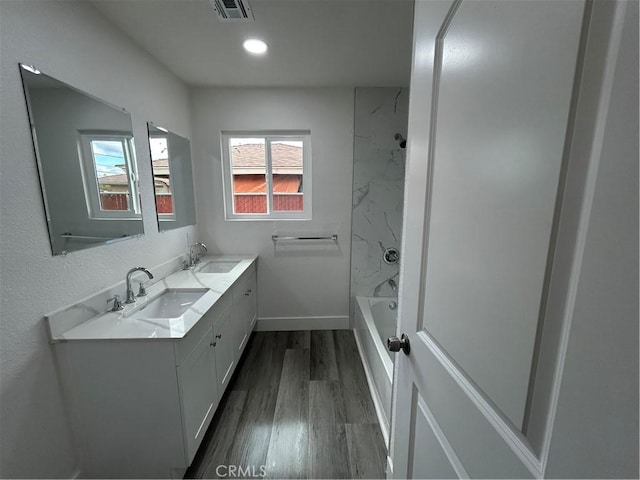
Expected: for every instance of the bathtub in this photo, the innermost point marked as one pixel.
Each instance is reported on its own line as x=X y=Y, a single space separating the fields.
x=374 y=322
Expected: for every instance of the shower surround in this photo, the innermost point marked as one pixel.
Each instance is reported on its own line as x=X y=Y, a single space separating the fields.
x=378 y=188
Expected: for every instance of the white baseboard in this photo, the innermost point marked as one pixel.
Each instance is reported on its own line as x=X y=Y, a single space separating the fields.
x=276 y=324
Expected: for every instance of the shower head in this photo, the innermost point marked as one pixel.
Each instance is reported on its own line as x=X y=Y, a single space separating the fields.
x=401 y=140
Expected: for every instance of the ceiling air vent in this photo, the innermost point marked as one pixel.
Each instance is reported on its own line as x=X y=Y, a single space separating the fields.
x=232 y=10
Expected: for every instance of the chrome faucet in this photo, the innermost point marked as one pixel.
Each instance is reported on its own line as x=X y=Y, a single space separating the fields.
x=194 y=257
x=131 y=297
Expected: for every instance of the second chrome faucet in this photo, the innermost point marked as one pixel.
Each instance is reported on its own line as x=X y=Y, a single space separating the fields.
x=194 y=257
x=131 y=297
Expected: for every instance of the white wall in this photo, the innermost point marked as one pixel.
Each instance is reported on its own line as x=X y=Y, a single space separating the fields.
x=300 y=285
x=72 y=42
x=595 y=434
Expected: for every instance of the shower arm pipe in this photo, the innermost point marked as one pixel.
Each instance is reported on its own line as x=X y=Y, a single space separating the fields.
x=333 y=237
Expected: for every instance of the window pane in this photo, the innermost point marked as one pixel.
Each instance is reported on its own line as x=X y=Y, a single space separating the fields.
x=249 y=169
x=112 y=174
x=161 y=174
x=286 y=164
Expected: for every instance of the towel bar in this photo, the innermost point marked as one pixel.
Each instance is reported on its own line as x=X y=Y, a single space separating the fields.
x=334 y=237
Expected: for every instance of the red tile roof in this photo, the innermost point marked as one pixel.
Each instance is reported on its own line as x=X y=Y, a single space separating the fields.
x=119 y=179
x=250 y=158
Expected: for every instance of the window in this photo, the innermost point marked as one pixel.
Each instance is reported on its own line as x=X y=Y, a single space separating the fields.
x=162 y=181
x=267 y=176
x=110 y=176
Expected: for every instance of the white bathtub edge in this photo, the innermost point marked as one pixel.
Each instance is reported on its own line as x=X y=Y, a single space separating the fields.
x=379 y=342
x=377 y=403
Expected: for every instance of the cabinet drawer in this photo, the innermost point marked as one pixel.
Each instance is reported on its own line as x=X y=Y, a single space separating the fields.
x=186 y=345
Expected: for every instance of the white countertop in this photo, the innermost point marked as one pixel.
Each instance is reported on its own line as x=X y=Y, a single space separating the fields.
x=119 y=325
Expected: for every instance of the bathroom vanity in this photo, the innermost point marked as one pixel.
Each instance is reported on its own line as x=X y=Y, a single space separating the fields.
x=143 y=387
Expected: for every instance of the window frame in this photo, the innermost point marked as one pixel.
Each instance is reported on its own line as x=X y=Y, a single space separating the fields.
x=269 y=137
x=90 y=177
x=163 y=217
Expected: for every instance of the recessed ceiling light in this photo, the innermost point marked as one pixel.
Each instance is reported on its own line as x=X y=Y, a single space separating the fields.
x=255 y=46
x=30 y=68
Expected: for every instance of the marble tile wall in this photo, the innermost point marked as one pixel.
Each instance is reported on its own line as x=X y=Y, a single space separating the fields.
x=378 y=187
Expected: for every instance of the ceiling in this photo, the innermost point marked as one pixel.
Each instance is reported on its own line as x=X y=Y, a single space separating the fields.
x=319 y=43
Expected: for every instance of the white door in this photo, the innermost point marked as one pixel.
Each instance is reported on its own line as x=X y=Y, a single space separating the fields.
x=491 y=108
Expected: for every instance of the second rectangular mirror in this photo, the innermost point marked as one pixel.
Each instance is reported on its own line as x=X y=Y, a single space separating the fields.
x=172 y=178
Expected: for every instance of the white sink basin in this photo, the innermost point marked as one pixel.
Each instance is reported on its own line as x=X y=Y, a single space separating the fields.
x=106 y=326
x=170 y=304
x=170 y=314
x=218 y=266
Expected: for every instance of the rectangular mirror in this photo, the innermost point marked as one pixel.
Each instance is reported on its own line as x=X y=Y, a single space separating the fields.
x=172 y=178
x=86 y=162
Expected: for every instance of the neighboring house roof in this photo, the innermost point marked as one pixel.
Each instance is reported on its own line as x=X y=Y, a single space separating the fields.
x=250 y=159
x=119 y=179
x=160 y=166
x=160 y=173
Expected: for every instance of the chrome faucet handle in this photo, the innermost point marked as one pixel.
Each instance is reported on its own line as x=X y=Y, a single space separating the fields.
x=142 y=291
x=117 y=305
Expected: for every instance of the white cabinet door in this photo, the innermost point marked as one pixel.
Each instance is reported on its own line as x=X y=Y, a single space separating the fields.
x=491 y=98
x=198 y=391
x=244 y=311
x=223 y=347
x=239 y=333
x=251 y=298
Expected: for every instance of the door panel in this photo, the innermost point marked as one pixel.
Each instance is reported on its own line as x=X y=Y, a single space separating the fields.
x=491 y=95
x=483 y=440
x=503 y=92
x=432 y=458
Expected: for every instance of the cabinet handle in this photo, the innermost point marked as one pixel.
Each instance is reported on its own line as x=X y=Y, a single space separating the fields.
x=219 y=335
x=212 y=344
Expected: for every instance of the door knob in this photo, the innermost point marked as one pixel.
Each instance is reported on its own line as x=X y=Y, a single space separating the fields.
x=395 y=344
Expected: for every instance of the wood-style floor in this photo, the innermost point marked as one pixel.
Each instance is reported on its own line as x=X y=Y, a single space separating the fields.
x=297 y=407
